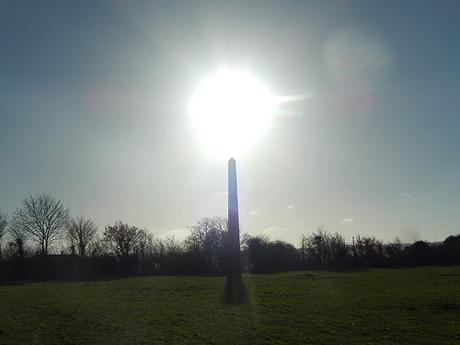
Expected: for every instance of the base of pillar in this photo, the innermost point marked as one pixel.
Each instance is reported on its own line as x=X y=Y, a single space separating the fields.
x=234 y=289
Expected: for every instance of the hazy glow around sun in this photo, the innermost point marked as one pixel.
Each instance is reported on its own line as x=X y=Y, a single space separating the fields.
x=230 y=111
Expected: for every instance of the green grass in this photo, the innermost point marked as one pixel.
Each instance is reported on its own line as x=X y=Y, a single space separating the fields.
x=379 y=306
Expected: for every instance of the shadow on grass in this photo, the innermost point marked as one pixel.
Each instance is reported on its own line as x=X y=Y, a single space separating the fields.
x=234 y=292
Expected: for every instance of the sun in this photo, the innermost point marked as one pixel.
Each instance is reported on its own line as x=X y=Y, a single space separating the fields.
x=230 y=111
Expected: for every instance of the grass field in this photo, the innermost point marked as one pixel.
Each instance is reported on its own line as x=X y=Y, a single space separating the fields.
x=379 y=306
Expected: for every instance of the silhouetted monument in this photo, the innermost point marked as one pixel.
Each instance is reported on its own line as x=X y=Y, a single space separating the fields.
x=234 y=285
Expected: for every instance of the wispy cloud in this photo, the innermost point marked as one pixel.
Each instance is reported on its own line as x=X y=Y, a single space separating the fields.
x=178 y=233
x=291 y=207
x=254 y=213
x=347 y=221
x=275 y=232
x=406 y=195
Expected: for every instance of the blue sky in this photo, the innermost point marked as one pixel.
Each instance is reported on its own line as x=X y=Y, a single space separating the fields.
x=93 y=101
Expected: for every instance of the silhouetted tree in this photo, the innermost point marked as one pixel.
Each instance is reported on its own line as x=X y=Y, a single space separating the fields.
x=256 y=247
x=125 y=249
x=168 y=256
x=339 y=250
x=122 y=239
x=146 y=244
x=147 y=251
x=316 y=248
x=451 y=247
x=205 y=243
x=17 y=249
x=97 y=247
x=303 y=250
x=81 y=233
x=393 y=251
x=369 y=251
x=419 y=253
x=270 y=256
x=3 y=224
x=41 y=219
x=323 y=249
x=283 y=256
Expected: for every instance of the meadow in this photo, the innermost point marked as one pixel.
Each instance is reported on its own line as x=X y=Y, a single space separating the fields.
x=376 y=306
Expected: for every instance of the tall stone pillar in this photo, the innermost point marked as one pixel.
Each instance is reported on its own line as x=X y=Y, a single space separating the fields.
x=234 y=290
x=234 y=264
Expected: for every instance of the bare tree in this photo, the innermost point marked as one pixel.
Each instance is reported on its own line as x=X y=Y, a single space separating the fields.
x=304 y=242
x=147 y=244
x=3 y=224
x=339 y=249
x=317 y=247
x=207 y=236
x=123 y=239
x=97 y=247
x=368 y=249
x=323 y=248
x=41 y=219
x=394 y=249
x=81 y=232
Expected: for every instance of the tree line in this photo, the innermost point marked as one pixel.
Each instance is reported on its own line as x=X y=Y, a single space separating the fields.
x=42 y=240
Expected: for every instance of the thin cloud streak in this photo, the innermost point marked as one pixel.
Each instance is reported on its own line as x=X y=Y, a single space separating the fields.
x=347 y=221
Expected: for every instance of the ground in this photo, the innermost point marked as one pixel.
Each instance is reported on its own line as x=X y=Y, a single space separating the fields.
x=377 y=306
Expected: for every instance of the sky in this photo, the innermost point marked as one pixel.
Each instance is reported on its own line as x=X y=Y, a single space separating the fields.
x=93 y=109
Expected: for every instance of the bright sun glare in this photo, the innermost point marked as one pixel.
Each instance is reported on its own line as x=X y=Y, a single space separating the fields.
x=230 y=111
